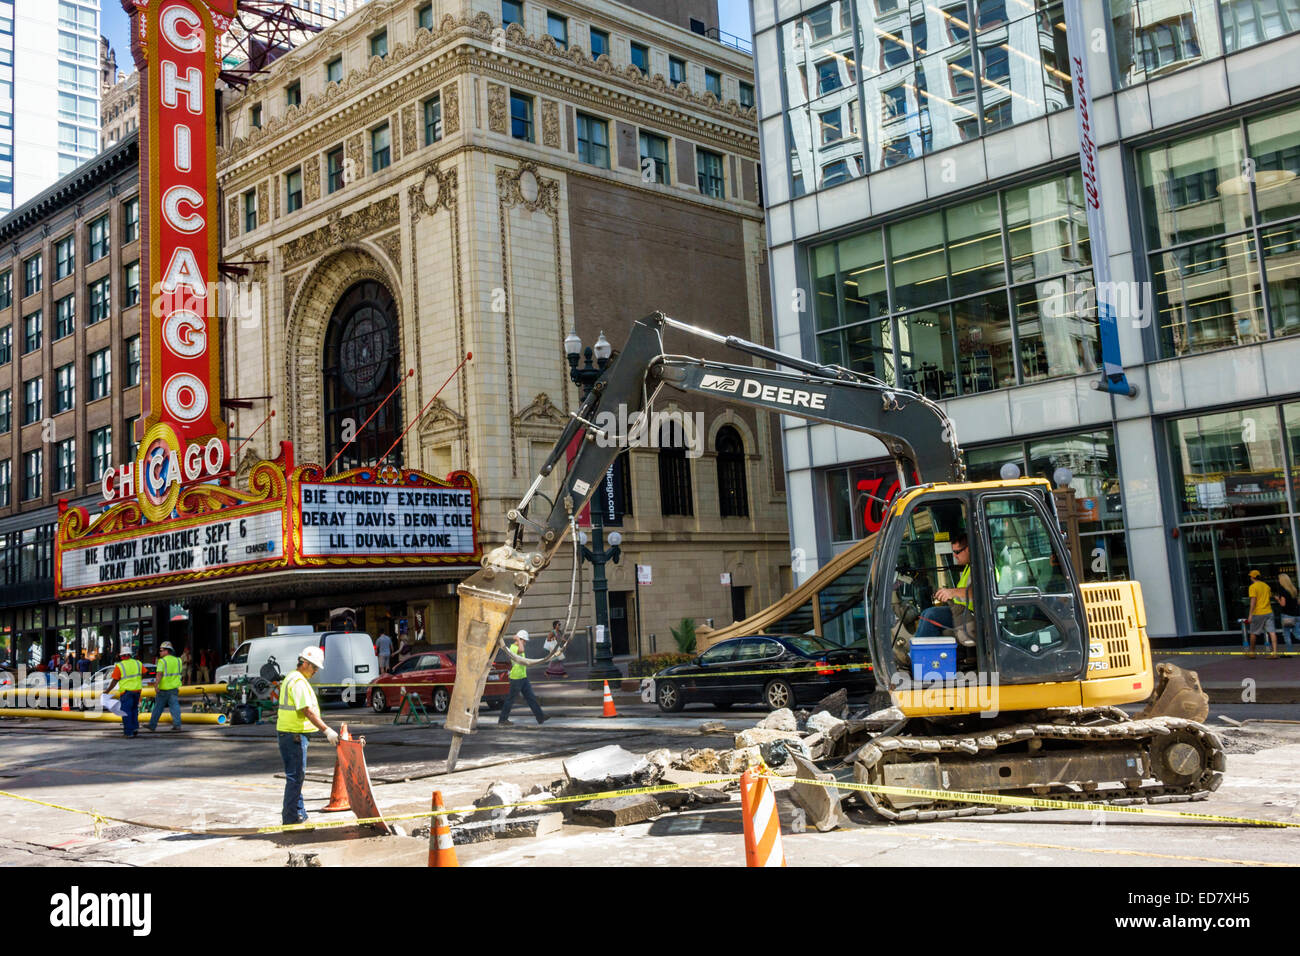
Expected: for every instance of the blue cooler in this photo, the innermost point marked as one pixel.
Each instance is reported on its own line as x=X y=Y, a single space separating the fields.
x=934 y=658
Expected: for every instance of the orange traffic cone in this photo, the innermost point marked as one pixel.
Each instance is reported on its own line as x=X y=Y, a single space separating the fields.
x=609 y=710
x=442 y=851
x=338 y=790
x=762 y=825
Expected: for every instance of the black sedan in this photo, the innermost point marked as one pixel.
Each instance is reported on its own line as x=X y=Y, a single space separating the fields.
x=777 y=670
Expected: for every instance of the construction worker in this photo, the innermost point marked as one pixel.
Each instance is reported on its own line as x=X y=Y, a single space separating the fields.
x=130 y=674
x=519 y=683
x=168 y=692
x=299 y=715
x=959 y=616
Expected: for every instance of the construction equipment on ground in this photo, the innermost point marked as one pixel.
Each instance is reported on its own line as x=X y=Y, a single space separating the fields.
x=1013 y=686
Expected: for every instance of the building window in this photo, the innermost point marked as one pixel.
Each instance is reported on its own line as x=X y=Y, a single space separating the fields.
x=6 y=411
x=432 y=119
x=100 y=301
x=293 y=190
x=558 y=28
x=33 y=478
x=593 y=141
x=674 y=472
x=1248 y=22
x=708 y=167
x=255 y=116
x=132 y=443
x=65 y=257
x=424 y=20
x=101 y=452
x=65 y=471
x=512 y=11
x=381 y=143
x=131 y=285
x=101 y=374
x=895 y=151
x=6 y=344
x=98 y=247
x=334 y=70
x=133 y=361
x=33 y=400
x=334 y=170
x=361 y=367
x=746 y=94
x=6 y=481
x=654 y=158
x=250 y=210
x=713 y=83
x=32 y=275
x=6 y=288
x=131 y=220
x=293 y=94
x=1204 y=266
x=65 y=316
x=33 y=327
x=733 y=494
x=65 y=388
x=521 y=116
x=379 y=44
x=640 y=57
x=676 y=70
x=599 y=43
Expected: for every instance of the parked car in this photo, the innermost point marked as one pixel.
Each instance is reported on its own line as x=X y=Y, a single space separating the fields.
x=746 y=666
x=431 y=675
x=101 y=678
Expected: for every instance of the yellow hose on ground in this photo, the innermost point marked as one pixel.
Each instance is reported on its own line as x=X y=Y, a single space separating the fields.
x=83 y=715
x=11 y=696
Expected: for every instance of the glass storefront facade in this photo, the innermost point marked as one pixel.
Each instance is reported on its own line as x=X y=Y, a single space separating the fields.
x=871 y=84
x=857 y=496
x=993 y=292
x=1221 y=217
x=1152 y=38
x=1236 y=490
x=31 y=635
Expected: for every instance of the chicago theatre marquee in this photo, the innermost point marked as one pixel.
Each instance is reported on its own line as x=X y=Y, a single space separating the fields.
x=180 y=526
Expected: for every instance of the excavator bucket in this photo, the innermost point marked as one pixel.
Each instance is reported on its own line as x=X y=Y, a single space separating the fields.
x=821 y=804
x=1178 y=694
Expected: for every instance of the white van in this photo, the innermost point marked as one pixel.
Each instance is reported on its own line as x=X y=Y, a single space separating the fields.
x=349 y=659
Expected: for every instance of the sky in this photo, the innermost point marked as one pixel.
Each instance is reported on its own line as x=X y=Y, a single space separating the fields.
x=733 y=17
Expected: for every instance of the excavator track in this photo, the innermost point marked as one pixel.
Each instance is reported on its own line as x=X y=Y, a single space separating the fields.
x=1185 y=760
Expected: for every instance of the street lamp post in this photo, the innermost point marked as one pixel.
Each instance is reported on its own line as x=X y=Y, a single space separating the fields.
x=585 y=377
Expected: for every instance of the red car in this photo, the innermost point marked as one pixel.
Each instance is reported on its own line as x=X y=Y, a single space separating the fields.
x=431 y=674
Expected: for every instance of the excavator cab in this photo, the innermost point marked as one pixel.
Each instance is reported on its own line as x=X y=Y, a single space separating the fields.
x=1022 y=620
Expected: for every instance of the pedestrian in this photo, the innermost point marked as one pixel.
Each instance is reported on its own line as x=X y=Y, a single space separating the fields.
x=167 y=694
x=187 y=670
x=384 y=650
x=556 y=667
x=298 y=716
x=205 y=674
x=519 y=683
x=1288 y=606
x=130 y=674
x=1259 y=596
x=83 y=663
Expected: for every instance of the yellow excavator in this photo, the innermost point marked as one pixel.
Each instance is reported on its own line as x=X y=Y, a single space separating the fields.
x=1011 y=685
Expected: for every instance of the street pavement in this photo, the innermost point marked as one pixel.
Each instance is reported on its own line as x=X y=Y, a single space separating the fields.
x=214 y=778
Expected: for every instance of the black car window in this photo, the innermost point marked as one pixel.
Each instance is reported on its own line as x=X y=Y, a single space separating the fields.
x=722 y=653
x=808 y=645
x=768 y=649
x=241 y=655
x=407 y=665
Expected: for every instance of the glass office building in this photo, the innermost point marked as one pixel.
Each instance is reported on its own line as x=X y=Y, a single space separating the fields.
x=927 y=226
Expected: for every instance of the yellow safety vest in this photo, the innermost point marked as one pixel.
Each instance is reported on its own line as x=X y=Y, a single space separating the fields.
x=963 y=582
x=518 y=671
x=132 y=672
x=296 y=693
x=169 y=672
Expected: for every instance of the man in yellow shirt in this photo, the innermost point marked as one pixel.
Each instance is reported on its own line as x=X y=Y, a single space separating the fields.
x=299 y=709
x=1260 y=596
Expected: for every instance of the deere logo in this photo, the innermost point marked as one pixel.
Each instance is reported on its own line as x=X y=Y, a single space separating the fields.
x=720 y=383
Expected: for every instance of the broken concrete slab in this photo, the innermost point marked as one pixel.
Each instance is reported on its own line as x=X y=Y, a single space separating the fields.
x=836 y=704
x=661 y=758
x=712 y=727
x=757 y=736
x=303 y=859
x=533 y=825
x=480 y=831
x=825 y=722
x=609 y=768
x=821 y=804
x=782 y=719
x=699 y=761
x=738 y=761
x=498 y=793
x=618 y=811
x=693 y=797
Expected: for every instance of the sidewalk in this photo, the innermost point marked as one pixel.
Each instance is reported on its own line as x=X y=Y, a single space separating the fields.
x=1228 y=676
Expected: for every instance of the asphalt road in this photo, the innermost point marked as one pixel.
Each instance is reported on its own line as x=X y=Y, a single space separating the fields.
x=214 y=778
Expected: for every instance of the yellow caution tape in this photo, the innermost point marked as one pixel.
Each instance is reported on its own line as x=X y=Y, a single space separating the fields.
x=1034 y=803
x=1160 y=653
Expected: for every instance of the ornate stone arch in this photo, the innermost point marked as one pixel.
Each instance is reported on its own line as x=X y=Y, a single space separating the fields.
x=309 y=316
x=729 y=417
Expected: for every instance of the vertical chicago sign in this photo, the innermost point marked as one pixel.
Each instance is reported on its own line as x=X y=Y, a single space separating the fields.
x=175 y=45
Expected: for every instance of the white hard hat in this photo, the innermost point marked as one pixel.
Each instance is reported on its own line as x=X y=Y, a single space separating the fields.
x=166 y=646
x=521 y=635
x=314 y=656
